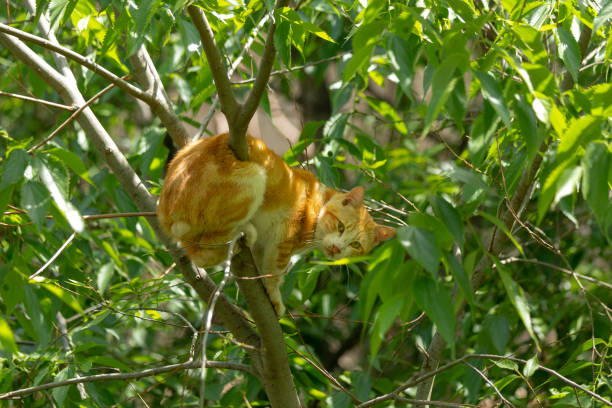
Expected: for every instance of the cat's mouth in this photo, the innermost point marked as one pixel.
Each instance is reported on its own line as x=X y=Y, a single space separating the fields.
x=332 y=251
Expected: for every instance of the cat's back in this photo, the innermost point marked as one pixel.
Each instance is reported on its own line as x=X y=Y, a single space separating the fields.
x=207 y=188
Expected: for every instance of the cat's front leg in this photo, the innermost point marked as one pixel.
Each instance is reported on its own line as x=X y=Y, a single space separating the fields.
x=274 y=265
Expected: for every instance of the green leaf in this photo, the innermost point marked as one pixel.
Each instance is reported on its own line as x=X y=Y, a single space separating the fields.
x=104 y=276
x=527 y=122
x=595 y=165
x=60 y=292
x=70 y=212
x=569 y=51
x=507 y=364
x=5 y=196
x=542 y=109
x=295 y=18
x=492 y=93
x=60 y=393
x=497 y=222
x=531 y=366
x=402 y=62
x=451 y=218
x=389 y=113
x=461 y=277
x=605 y=13
x=35 y=200
x=387 y=313
x=518 y=300
x=363 y=44
x=7 y=338
x=14 y=168
x=421 y=245
x=436 y=302
x=498 y=329
x=282 y=41
x=33 y=308
x=11 y=287
x=580 y=132
x=442 y=84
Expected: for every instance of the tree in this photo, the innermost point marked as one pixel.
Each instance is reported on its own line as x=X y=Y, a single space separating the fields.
x=481 y=130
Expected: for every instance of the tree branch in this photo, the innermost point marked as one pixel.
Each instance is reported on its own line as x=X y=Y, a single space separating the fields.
x=263 y=75
x=148 y=78
x=98 y=69
x=40 y=101
x=235 y=64
x=229 y=105
x=229 y=315
x=275 y=373
x=128 y=376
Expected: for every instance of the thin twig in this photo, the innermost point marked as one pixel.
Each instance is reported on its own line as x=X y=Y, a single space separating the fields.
x=490 y=383
x=54 y=257
x=432 y=403
x=557 y=268
x=211 y=311
x=61 y=322
x=128 y=376
x=296 y=68
x=98 y=69
x=40 y=101
x=72 y=117
x=393 y=394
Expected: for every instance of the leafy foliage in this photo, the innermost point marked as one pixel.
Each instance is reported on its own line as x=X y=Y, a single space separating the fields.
x=481 y=130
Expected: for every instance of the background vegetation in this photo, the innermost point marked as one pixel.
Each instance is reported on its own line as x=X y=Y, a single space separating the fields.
x=481 y=130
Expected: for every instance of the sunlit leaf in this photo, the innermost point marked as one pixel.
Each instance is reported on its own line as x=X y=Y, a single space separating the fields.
x=70 y=212
x=7 y=338
x=569 y=51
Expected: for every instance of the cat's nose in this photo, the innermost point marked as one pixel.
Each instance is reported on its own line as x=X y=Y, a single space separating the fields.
x=334 y=250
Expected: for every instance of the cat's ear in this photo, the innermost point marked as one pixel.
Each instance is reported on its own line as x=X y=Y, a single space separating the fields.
x=354 y=197
x=384 y=233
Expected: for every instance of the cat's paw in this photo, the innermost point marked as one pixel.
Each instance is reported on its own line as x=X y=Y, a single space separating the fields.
x=250 y=235
x=279 y=307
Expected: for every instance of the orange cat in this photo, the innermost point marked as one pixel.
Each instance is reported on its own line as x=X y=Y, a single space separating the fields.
x=209 y=197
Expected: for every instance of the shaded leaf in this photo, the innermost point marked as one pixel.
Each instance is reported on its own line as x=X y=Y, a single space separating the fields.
x=595 y=165
x=461 y=277
x=518 y=300
x=492 y=93
x=387 y=313
x=14 y=168
x=421 y=245
x=451 y=218
x=35 y=200
x=436 y=302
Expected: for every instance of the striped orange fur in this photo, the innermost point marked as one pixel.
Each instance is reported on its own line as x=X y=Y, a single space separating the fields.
x=209 y=197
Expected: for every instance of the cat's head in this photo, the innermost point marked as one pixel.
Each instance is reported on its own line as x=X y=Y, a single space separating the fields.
x=345 y=228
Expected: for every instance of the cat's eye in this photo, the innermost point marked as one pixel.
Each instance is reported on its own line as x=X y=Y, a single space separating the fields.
x=356 y=244
x=340 y=227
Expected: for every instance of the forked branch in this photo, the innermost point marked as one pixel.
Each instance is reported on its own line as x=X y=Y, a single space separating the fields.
x=238 y=116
